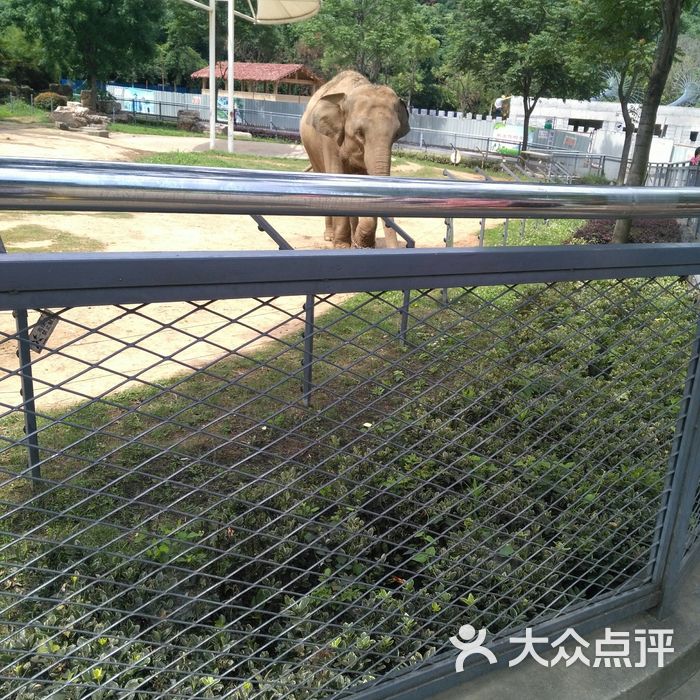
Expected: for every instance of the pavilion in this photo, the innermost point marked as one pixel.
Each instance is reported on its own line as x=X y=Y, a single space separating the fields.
x=283 y=82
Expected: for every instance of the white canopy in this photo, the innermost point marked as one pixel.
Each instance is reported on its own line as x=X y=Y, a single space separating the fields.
x=271 y=11
x=261 y=12
x=284 y=11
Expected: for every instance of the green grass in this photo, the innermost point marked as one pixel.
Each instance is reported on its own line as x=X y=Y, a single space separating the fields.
x=22 y=113
x=33 y=238
x=402 y=165
x=217 y=159
x=461 y=479
x=536 y=232
x=151 y=129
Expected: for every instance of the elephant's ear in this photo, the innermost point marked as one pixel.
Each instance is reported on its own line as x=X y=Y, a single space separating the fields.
x=328 y=117
x=404 y=127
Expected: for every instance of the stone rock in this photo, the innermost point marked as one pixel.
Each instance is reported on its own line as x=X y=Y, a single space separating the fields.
x=123 y=117
x=188 y=120
x=75 y=116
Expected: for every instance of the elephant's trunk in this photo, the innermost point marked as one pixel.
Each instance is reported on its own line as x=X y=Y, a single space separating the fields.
x=378 y=163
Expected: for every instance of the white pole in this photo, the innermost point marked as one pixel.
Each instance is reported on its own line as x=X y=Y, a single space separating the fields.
x=212 y=74
x=230 y=77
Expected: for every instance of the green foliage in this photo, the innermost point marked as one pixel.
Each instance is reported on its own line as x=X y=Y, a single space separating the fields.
x=95 y=39
x=22 y=60
x=686 y=68
x=217 y=159
x=22 y=113
x=641 y=231
x=49 y=101
x=533 y=232
x=621 y=36
x=526 y=48
x=385 y=41
x=691 y=20
x=525 y=478
x=463 y=90
x=7 y=90
x=153 y=128
x=182 y=52
x=594 y=179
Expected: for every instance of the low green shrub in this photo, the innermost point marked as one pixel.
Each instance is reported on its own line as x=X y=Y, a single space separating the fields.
x=593 y=179
x=643 y=231
x=6 y=90
x=49 y=101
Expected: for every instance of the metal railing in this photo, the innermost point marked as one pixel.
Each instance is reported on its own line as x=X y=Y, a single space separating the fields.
x=677 y=175
x=94 y=186
x=222 y=495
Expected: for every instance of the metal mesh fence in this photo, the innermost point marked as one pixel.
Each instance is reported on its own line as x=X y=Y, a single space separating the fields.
x=694 y=525
x=201 y=528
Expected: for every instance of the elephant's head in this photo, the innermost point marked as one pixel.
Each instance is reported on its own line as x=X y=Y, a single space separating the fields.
x=365 y=123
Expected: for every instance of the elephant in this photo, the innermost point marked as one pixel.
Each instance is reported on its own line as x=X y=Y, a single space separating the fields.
x=349 y=127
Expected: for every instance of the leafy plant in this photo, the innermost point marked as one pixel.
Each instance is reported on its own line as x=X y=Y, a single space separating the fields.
x=642 y=231
x=48 y=101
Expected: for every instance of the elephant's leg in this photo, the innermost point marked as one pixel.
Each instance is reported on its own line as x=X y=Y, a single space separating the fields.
x=365 y=233
x=341 y=232
x=390 y=237
x=328 y=232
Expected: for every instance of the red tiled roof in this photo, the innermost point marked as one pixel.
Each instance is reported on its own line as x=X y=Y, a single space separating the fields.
x=272 y=72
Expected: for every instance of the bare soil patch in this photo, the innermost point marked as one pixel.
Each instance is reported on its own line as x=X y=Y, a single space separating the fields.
x=87 y=366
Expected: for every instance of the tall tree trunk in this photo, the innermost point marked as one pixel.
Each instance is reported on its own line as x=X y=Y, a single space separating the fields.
x=626 y=146
x=624 y=96
x=663 y=60
x=527 y=112
x=92 y=82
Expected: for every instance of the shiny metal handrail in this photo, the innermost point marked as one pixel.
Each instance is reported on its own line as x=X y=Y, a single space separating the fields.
x=28 y=184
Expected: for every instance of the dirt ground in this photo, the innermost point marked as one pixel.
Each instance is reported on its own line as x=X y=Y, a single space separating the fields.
x=70 y=365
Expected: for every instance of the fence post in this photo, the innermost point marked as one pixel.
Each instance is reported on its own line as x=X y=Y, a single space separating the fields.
x=449 y=243
x=31 y=439
x=308 y=362
x=684 y=476
x=405 y=307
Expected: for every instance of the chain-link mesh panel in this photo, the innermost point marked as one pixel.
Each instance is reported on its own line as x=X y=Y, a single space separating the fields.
x=198 y=530
x=694 y=525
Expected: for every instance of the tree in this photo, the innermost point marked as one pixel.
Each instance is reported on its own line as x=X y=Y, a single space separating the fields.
x=22 y=60
x=527 y=48
x=95 y=38
x=684 y=77
x=417 y=50
x=378 y=39
x=663 y=60
x=621 y=35
x=463 y=91
x=185 y=31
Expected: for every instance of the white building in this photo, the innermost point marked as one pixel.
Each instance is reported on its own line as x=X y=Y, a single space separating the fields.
x=677 y=125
